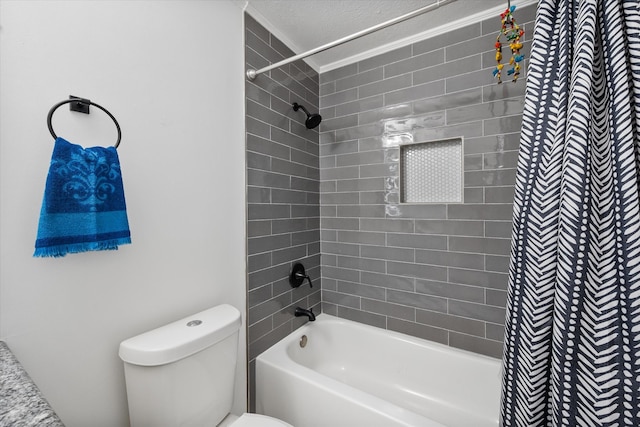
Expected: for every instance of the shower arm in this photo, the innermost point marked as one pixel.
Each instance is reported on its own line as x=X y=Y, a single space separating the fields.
x=252 y=74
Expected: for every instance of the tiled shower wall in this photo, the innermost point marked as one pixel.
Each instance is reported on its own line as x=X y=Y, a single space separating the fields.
x=283 y=211
x=438 y=271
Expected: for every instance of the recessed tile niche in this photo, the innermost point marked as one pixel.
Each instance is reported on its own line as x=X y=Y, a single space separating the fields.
x=432 y=172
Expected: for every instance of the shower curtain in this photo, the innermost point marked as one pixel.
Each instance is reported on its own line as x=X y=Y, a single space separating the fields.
x=572 y=336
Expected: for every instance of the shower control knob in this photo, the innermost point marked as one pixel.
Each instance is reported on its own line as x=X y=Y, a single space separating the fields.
x=297 y=276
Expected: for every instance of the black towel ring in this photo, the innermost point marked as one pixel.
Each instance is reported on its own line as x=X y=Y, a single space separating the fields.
x=82 y=103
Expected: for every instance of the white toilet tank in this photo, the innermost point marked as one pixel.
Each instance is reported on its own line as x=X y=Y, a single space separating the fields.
x=182 y=374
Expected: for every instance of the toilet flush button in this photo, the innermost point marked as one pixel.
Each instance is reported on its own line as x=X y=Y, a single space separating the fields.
x=194 y=323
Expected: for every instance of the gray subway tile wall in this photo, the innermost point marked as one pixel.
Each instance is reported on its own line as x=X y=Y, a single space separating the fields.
x=331 y=199
x=434 y=271
x=283 y=199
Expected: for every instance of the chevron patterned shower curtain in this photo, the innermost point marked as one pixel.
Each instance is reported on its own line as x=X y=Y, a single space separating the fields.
x=572 y=338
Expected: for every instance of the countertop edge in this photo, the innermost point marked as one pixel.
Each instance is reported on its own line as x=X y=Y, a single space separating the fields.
x=21 y=402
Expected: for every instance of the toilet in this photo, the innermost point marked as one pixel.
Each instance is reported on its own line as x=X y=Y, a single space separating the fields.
x=183 y=373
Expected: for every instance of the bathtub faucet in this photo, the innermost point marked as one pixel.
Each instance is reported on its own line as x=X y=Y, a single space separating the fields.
x=304 y=312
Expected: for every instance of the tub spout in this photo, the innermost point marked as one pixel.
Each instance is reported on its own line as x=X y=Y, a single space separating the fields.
x=304 y=312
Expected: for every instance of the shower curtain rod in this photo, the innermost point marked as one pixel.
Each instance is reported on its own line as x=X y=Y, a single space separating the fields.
x=252 y=74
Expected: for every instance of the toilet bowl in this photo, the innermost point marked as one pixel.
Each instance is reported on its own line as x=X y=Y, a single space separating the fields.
x=253 y=420
x=183 y=373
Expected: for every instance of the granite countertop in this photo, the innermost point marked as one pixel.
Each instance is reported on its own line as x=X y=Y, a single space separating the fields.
x=21 y=403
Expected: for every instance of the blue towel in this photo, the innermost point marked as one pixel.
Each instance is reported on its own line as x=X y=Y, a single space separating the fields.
x=83 y=208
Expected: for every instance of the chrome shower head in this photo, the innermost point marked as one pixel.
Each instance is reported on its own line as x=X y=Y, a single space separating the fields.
x=313 y=120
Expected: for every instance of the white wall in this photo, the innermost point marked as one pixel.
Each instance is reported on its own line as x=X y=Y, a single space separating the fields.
x=172 y=74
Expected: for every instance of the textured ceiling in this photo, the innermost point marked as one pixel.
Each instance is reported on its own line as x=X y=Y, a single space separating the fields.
x=307 y=24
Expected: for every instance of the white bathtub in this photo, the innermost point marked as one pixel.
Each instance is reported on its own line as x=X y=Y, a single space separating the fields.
x=354 y=375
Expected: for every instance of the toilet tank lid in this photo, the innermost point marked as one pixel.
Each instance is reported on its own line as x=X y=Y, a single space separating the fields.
x=181 y=338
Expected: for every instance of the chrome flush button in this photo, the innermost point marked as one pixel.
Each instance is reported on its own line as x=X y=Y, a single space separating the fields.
x=194 y=323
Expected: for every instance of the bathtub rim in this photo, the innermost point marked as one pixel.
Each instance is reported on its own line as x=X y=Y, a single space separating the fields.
x=326 y=318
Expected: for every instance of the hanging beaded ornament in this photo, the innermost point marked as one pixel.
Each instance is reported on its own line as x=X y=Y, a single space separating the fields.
x=512 y=33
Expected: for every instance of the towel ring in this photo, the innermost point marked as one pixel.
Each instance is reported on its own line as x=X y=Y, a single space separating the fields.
x=87 y=103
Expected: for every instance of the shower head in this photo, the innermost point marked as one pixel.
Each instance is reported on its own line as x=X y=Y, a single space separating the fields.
x=313 y=120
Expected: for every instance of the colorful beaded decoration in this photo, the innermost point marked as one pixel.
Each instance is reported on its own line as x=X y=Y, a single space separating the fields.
x=512 y=32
